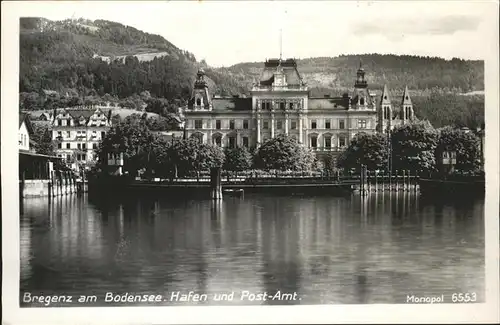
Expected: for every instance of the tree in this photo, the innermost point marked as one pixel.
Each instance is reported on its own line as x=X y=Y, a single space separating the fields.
x=192 y=156
x=365 y=149
x=413 y=147
x=237 y=159
x=283 y=153
x=130 y=137
x=465 y=144
x=42 y=138
x=208 y=156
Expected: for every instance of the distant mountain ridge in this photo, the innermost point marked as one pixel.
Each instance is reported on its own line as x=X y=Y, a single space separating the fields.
x=337 y=74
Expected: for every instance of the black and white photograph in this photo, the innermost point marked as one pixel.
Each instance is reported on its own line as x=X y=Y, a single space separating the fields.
x=280 y=157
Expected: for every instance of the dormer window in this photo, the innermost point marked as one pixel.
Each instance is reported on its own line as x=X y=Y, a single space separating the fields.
x=362 y=101
x=198 y=101
x=385 y=97
x=406 y=97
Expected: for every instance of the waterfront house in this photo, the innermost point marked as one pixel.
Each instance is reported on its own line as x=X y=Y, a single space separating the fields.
x=280 y=102
x=24 y=132
x=77 y=132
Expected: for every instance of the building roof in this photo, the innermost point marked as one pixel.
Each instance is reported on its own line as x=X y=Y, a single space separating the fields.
x=24 y=117
x=232 y=104
x=385 y=98
x=86 y=113
x=406 y=100
x=29 y=153
x=288 y=67
x=319 y=103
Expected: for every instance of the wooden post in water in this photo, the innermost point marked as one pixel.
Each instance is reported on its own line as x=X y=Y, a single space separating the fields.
x=404 y=181
x=376 y=181
x=416 y=181
x=215 y=183
x=409 y=180
x=364 y=180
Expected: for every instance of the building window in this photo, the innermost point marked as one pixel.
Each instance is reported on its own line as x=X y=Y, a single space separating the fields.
x=341 y=141
x=341 y=124
x=362 y=124
x=328 y=142
x=245 y=124
x=198 y=137
x=68 y=146
x=59 y=145
x=79 y=146
x=279 y=125
x=282 y=106
x=290 y=106
x=362 y=101
x=103 y=134
x=386 y=113
x=218 y=141
x=217 y=124
x=84 y=146
x=232 y=142
x=266 y=125
x=327 y=124
x=94 y=145
x=245 y=142
x=294 y=125
x=198 y=101
x=59 y=134
x=68 y=157
x=266 y=105
x=231 y=124
x=68 y=134
x=198 y=124
x=313 y=124
x=59 y=122
x=385 y=97
x=314 y=142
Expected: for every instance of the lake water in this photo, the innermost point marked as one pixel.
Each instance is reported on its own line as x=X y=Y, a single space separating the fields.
x=325 y=250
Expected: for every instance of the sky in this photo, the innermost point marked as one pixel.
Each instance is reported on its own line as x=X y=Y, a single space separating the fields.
x=227 y=32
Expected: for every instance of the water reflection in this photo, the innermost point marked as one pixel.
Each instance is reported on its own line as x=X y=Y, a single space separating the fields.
x=375 y=249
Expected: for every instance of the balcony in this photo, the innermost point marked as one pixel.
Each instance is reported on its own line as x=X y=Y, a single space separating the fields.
x=327 y=149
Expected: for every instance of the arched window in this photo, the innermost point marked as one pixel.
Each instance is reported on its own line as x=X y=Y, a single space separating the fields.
x=314 y=141
x=198 y=101
x=328 y=140
x=342 y=141
x=217 y=140
x=362 y=101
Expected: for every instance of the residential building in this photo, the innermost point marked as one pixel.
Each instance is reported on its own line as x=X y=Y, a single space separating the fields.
x=280 y=103
x=25 y=130
x=77 y=132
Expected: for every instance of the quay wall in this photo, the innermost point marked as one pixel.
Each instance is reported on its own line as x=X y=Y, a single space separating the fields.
x=47 y=188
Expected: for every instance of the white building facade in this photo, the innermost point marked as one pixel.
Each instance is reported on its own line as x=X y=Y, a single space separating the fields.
x=280 y=103
x=77 y=133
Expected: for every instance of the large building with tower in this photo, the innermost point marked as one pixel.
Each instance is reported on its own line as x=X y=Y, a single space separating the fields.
x=280 y=103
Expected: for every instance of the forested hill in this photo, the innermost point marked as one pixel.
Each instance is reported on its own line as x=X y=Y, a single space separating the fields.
x=75 y=62
x=419 y=73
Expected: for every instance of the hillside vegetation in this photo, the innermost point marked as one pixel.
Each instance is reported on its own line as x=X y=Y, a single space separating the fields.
x=75 y=62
